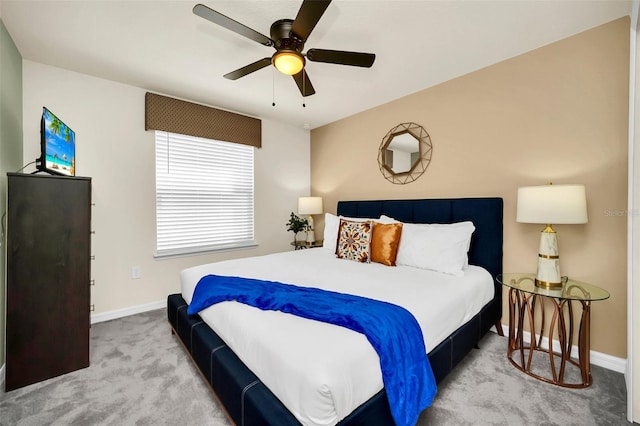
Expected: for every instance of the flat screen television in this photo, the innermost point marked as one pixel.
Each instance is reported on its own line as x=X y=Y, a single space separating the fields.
x=57 y=146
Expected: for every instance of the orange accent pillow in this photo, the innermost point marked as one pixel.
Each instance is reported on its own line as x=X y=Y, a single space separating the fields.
x=385 y=240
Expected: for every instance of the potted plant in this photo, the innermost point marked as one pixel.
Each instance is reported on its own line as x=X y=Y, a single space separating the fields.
x=296 y=224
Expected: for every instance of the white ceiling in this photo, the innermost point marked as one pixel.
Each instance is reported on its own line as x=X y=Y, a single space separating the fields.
x=163 y=47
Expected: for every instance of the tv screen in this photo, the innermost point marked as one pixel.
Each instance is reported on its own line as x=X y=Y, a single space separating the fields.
x=58 y=146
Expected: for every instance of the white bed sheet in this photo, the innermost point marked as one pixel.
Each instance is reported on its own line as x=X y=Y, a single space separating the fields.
x=319 y=371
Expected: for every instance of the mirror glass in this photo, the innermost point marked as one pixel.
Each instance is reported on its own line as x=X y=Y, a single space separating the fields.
x=402 y=152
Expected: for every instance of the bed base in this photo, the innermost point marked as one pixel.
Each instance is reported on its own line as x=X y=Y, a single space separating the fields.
x=249 y=402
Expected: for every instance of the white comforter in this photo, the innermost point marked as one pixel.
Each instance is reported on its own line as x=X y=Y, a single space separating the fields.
x=319 y=371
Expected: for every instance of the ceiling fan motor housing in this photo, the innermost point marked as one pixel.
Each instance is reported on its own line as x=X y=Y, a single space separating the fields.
x=283 y=37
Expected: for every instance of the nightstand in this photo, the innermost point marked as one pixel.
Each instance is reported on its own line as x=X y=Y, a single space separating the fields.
x=528 y=307
x=299 y=245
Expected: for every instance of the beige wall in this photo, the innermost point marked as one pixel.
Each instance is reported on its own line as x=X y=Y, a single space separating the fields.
x=113 y=148
x=558 y=113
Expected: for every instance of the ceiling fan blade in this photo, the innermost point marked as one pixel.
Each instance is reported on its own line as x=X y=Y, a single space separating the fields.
x=304 y=84
x=356 y=59
x=228 y=23
x=248 y=69
x=308 y=16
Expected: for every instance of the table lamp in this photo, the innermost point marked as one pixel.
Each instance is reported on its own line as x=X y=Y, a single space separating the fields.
x=551 y=204
x=310 y=206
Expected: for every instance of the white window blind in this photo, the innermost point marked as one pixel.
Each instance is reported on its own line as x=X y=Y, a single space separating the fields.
x=204 y=194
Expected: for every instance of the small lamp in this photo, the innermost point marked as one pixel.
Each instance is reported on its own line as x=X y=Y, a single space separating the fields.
x=310 y=206
x=547 y=204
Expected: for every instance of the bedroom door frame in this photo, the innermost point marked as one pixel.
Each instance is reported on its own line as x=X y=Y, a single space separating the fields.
x=632 y=373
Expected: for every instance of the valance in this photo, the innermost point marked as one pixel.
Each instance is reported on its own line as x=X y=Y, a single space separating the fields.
x=187 y=118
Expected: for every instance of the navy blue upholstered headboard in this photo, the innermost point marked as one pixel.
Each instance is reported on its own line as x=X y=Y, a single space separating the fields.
x=485 y=213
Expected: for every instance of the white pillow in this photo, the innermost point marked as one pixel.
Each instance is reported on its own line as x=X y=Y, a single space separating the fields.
x=438 y=247
x=462 y=226
x=331 y=224
x=387 y=220
x=330 y=239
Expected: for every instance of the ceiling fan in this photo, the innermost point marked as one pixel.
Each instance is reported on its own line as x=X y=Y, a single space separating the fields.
x=288 y=37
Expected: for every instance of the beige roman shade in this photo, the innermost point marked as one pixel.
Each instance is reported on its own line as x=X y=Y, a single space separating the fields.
x=186 y=118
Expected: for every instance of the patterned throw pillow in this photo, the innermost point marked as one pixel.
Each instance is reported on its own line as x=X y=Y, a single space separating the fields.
x=354 y=241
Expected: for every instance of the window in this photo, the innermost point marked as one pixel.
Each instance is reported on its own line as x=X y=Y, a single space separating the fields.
x=204 y=194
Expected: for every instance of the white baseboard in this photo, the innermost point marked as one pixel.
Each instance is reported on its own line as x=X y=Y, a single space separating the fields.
x=597 y=358
x=125 y=312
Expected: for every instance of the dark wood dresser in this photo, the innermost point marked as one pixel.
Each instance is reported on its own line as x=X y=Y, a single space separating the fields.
x=48 y=274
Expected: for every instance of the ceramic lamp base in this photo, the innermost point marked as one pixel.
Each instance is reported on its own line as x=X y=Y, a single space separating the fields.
x=548 y=275
x=311 y=233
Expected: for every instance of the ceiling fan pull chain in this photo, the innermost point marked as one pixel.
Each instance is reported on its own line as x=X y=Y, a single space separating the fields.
x=273 y=88
x=303 y=90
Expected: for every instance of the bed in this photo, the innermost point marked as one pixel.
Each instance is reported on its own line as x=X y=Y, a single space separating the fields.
x=244 y=395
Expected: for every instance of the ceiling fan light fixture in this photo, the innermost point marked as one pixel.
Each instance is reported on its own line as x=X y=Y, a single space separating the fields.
x=288 y=62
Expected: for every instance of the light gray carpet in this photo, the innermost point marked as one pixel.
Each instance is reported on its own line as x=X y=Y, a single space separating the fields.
x=140 y=375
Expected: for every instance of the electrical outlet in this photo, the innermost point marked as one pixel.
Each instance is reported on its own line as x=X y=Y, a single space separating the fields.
x=136 y=273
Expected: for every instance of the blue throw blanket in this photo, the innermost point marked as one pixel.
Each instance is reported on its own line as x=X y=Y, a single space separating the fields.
x=392 y=331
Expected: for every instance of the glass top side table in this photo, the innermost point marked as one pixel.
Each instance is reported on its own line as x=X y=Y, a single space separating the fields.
x=548 y=314
x=299 y=245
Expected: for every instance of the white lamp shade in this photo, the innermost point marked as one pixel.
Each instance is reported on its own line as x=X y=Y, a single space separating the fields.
x=552 y=204
x=310 y=205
